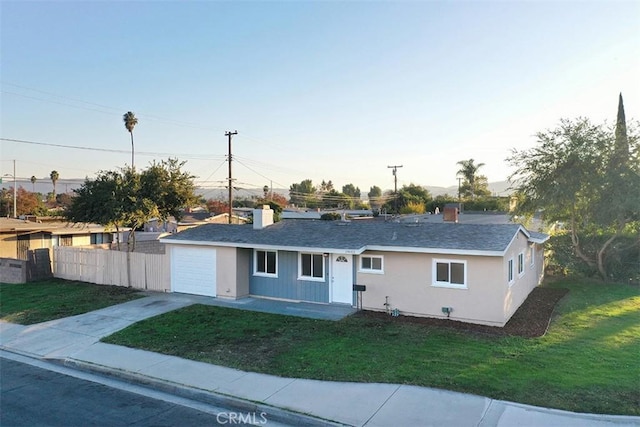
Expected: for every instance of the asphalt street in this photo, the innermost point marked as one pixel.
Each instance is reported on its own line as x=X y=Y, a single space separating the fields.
x=33 y=396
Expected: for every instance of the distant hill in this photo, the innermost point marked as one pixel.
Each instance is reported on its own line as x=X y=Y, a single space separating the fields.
x=43 y=186
x=500 y=188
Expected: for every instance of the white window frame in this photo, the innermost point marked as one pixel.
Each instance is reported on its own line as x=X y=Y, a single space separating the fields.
x=511 y=277
x=311 y=278
x=532 y=252
x=371 y=270
x=255 y=263
x=520 y=266
x=434 y=274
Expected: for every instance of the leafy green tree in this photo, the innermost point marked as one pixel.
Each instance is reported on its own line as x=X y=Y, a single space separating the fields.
x=325 y=187
x=333 y=199
x=413 y=208
x=130 y=122
x=126 y=198
x=168 y=187
x=275 y=207
x=330 y=216
x=586 y=177
x=351 y=191
x=411 y=194
x=473 y=184
x=375 y=198
x=303 y=193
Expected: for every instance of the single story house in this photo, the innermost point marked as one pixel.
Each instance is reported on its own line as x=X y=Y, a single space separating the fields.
x=478 y=273
x=19 y=236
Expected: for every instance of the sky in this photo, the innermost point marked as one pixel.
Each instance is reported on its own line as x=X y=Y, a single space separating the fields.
x=325 y=90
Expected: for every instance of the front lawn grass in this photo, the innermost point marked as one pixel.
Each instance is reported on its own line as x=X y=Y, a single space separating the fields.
x=40 y=301
x=587 y=362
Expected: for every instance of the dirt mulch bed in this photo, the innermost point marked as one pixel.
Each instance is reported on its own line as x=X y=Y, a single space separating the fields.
x=530 y=320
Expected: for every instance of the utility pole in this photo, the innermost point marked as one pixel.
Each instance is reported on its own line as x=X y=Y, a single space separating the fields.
x=229 y=134
x=459 y=179
x=15 y=198
x=395 y=186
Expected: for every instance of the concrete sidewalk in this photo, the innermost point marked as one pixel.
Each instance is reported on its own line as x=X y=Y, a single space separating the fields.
x=74 y=341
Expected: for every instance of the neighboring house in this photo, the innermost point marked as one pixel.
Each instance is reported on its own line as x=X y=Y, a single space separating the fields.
x=190 y=220
x=476 y=273
x=18 y=236
x=289 y=213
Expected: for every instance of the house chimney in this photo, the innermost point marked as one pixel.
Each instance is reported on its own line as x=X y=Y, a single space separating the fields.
x=262 y=217
x=450 y=214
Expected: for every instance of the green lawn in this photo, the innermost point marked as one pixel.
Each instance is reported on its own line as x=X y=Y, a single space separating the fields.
x=37 y=302
x=587 y=362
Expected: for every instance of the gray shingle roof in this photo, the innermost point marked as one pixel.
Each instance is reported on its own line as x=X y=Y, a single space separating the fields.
x=356 y=235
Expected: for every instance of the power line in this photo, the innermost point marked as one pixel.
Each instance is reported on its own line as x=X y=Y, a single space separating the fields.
x=110 y=150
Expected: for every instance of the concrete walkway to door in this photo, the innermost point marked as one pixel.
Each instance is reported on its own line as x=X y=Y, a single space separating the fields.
x=289 y=308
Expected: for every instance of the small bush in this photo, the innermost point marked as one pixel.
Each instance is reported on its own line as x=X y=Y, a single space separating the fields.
x=330 y=216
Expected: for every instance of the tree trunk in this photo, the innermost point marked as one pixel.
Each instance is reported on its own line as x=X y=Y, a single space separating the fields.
x=601 y=255
x=130 y=248
x=576 y=244
x=118 y=237
x=132 y=157
x=602 y=251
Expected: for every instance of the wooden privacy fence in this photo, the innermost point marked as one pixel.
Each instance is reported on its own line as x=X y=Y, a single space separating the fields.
x=106 y=267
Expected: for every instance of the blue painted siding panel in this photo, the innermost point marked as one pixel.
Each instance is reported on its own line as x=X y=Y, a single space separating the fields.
x=287 y=285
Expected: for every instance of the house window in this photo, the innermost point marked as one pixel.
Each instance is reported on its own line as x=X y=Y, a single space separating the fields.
x=449 y=273
x=371 y=264
x=520 y=263
x=532 y=254
x=312 y=267
x=266 y=263
x=510 y=271
x=66 y=240
x=97 y=238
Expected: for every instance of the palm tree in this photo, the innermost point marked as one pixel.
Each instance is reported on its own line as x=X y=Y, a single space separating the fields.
x=130 y=121
x=33 y=182
x=54 y=175
x=468 y=172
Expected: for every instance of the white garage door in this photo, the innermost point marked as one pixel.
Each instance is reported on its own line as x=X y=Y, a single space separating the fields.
x=193 y=271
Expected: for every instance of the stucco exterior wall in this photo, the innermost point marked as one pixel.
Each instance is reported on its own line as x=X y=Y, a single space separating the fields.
x=243 y=267
x=408 y=282
x=226 y=272
x=81 y=240
x=8 y=245
x=524 y=283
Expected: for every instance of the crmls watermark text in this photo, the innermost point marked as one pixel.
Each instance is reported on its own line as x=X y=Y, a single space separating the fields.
x=235 y=418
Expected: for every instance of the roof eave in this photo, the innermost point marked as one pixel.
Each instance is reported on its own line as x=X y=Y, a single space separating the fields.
x=353 y=251
x=440 y=251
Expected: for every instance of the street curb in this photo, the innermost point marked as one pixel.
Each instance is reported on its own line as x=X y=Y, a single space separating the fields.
x=275 y=413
